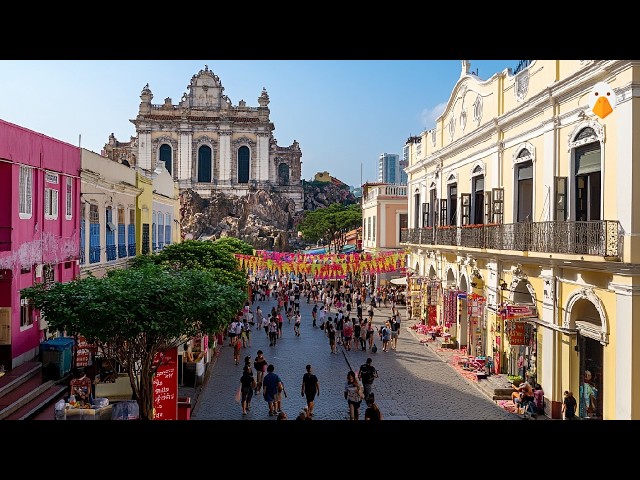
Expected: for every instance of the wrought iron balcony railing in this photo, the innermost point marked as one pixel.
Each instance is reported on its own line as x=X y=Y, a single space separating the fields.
x=111 y=253
x=122 y=250
x=597 y=237
x=131 y=249
x=94 y=253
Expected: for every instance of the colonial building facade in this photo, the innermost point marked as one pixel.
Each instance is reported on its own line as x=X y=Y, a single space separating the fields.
x=39 y=232
x=522 y=219
x=207 y=144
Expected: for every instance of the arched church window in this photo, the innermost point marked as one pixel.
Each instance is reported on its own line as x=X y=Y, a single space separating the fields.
x=165 y=156
x=204 y=164
x=283 y=174
x=243 y=164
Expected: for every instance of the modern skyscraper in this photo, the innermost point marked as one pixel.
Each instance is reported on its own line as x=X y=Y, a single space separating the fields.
x=390 y=169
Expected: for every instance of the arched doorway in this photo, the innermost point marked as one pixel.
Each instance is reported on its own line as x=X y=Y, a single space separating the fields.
x=590 y=350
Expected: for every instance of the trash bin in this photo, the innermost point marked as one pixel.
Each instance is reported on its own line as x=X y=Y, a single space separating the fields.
x=184 y=408
x=57 y=356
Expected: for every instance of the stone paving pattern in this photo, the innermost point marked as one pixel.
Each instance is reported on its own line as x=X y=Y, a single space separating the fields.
x=416 y=381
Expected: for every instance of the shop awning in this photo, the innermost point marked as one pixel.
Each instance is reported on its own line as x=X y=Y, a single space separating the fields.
x=399 y=281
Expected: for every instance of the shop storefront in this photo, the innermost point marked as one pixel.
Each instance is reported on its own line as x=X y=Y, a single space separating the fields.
x=476 y=324
x=521 y=346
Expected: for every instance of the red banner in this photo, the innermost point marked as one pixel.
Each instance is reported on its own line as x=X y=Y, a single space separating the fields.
x=165 y=386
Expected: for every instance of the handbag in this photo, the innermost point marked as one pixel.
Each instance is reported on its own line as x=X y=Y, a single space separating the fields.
x=374 y=349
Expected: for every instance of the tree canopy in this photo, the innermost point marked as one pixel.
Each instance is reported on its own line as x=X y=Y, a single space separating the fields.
x=330 y=224
x=134 y=314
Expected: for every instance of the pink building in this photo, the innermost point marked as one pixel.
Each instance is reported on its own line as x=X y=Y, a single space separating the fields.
x=39 y=231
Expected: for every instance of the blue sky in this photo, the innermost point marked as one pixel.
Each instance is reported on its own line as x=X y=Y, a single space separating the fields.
x=343 y=113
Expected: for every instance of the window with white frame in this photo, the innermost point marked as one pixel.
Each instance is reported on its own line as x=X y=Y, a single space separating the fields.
x=69 y=212
x=26 y=191
x=50 y=204
x=26 y=312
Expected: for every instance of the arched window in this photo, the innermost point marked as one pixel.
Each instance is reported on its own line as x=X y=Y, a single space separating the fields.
x=524 y=179
x=243 y=164
x=204 y=164
x=588 y=177
x=165 y=156
x=283 y=174
x=477 y=199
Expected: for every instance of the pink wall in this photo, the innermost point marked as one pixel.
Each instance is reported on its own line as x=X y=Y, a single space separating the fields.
x=35 y=240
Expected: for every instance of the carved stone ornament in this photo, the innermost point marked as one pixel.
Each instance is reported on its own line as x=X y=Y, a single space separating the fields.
x=522 y=84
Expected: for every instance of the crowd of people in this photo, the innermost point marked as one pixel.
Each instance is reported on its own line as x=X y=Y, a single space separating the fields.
x=339 y=310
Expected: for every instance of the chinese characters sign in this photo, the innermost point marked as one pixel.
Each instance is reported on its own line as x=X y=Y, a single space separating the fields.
x=165 y=386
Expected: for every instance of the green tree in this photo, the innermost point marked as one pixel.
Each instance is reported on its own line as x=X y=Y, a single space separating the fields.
x=135 y=314
x=235 y=245
x=216 y=257
x=330 y=224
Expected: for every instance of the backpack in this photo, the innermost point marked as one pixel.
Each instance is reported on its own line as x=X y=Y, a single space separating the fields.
x=374 y=349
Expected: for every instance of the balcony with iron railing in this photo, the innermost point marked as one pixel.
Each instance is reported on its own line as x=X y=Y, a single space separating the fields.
x=131 y=249
x=597 y=237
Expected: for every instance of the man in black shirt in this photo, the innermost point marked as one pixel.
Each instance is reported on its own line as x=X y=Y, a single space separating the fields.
x=310 y=389
x=367 y=374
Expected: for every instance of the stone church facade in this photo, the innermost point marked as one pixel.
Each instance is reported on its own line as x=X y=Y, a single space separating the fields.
x=209 y=145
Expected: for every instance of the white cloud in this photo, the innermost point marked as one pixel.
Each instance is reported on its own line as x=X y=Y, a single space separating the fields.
x=430 y=115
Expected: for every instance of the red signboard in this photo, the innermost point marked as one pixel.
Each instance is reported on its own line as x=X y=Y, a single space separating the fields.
x=165 y=386
x=516 y=333
x=83 y=352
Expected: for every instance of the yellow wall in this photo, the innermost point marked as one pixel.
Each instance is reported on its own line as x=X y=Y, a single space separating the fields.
x=144 y=210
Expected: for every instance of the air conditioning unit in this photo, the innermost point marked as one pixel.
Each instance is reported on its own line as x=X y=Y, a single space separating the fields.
x=39 y=270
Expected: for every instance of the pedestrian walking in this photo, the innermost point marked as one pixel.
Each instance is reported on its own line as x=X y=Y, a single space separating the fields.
x=297 y=320
x=265 y=324
x=569 y=405
x=370 y=334
x=353 y=394
x=260 y=366
x=236 y=351
x=385 y=333
x=247 y=386
x=331 y=334
x=310 y=389
x=363 y=334
x=272 y=388
x=367 y=374
x=395 y=331
x=314 y=314
x=372 y=412
x=273 y=332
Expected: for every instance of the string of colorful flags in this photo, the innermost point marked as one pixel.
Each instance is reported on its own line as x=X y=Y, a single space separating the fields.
x=324 y=266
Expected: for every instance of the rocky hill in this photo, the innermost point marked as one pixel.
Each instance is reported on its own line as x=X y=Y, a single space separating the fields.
x=266 y=220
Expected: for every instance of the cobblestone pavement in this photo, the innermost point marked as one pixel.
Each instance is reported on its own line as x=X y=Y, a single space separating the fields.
x=415 y=383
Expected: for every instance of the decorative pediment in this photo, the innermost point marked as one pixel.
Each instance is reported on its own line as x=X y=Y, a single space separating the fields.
x=523 y=153
x=585 y=132
x=243 y=141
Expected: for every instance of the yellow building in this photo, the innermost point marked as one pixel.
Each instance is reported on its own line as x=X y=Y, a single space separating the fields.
x=107 y=215
x=521 y=205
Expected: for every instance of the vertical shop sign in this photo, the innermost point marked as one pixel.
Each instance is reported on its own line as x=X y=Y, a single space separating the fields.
x=165 y=386
x=83 y=352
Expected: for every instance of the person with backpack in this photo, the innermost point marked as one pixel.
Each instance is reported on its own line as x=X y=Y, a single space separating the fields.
x=367 y=374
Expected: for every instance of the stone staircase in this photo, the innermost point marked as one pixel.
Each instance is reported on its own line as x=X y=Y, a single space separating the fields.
x=24 y=392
